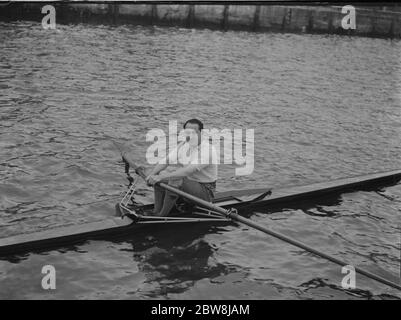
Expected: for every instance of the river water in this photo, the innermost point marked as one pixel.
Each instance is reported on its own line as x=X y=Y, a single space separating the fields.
x=322 y=107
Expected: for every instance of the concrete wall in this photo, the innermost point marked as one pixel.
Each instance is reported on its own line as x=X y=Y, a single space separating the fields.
x=280 y=18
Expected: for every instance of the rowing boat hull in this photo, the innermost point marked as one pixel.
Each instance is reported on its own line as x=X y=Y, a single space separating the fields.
x=67 y=236
x=240 y=199
x=116 y=226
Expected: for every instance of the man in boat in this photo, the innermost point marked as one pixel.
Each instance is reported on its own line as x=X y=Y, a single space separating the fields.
x=195 y=169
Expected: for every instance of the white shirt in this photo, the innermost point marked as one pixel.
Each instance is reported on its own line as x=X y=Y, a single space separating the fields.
x=202 y=156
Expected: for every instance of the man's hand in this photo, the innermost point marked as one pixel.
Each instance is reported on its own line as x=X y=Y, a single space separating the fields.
x=148 y=180
x=153 y=179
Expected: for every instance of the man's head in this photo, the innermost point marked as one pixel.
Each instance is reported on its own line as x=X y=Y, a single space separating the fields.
x=194 y=124
x=193 y=128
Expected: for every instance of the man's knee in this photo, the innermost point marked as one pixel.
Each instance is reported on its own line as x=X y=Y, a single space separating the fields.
x=175 y=182
x=171 y=195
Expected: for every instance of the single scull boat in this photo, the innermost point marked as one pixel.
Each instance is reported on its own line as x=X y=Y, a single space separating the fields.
x=135 y=217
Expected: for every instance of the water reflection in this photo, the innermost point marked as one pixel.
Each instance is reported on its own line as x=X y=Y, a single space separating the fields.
x=322 y=284
x=176 y=257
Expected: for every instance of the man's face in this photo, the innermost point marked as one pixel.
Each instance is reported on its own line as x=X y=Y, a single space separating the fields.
x=192 y=133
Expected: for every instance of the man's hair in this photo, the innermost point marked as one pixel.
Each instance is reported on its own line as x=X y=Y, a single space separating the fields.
x=195 y=121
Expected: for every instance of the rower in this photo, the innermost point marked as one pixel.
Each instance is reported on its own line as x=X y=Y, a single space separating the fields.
x=195 y=172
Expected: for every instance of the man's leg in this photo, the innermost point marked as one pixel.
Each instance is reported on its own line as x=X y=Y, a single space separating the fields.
x=170 y=199
x=159 y=193
x=196 y=189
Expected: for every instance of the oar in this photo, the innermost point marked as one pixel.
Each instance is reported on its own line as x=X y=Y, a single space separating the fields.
x=120 y=148
x=233 y=215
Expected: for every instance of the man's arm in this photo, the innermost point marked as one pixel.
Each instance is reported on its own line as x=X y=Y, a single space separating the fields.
x=158 y=168
x=165 y=163
x=182 y=172
x=190 y=168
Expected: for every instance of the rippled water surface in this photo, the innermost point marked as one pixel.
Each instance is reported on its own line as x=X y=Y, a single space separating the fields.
x=323 y=107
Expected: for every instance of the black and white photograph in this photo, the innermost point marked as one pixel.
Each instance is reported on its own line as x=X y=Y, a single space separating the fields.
x=214 y=153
